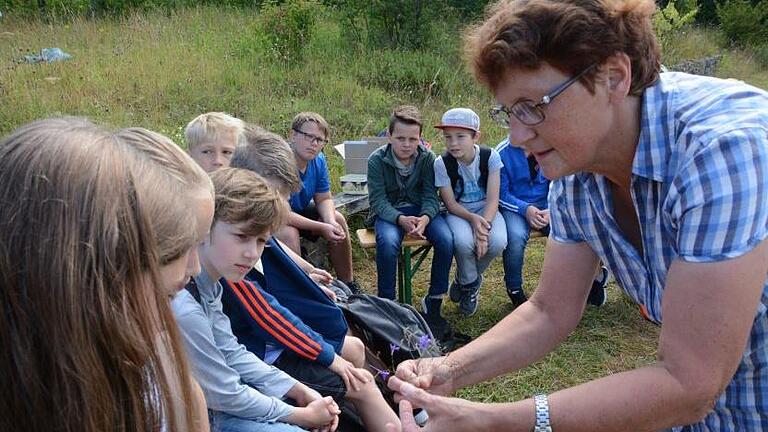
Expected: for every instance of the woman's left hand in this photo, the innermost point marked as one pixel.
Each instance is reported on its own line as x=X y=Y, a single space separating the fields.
x=445 y=414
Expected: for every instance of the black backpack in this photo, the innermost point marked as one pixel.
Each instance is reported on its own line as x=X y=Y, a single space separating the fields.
x=452 y=167
x=394 y=332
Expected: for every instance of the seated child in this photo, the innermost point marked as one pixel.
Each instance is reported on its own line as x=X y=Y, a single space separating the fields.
x=523 y=204
x=308 y=135
x=89 y=340
x=468 y=178
x=242 y=392
x=211 y=139
x=403 y=198
x=289 y=277
x=262 y=324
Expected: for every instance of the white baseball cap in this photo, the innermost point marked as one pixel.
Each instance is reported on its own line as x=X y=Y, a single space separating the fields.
x=463 y=118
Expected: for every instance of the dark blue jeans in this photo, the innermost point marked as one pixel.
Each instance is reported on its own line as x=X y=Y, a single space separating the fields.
x=389 y=237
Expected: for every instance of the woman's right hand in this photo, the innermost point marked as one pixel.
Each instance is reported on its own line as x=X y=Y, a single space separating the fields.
x=434 y=374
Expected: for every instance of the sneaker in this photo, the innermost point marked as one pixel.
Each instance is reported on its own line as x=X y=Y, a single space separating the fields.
x=470 y=297
x=517 y=295
x=454 y=292
x=597 y=295
x=468 y=305
x=436 y=322
x=424 y=307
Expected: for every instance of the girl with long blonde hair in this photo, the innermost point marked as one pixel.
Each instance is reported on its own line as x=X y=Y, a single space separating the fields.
x=89 y=223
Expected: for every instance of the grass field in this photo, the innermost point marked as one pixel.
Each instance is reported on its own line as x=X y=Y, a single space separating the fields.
x=160 y=70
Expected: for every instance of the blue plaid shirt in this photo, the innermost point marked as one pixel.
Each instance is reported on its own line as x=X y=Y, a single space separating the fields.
x=700 y=187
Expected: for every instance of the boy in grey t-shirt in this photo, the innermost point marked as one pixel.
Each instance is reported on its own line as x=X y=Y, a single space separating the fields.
x=468 y=178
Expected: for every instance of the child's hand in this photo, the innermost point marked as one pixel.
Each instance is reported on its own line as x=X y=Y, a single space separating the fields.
x=408 y=223
x=332 y=233
x=302 y=394
x=421 y=225
x=481 y=247
x=536 y=218
x=320 y=276
x=480 y=227
x=329 y=292
x=320 y=414
x=354 y=378
x=544 y=216
x=339 y=229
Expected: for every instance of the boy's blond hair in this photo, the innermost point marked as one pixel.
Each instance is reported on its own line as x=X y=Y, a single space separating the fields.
x=211 y=127
x=269 y=155
x=304 y=117
x=244 y=197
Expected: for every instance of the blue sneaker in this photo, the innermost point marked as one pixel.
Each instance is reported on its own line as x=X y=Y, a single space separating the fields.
x=470 y=297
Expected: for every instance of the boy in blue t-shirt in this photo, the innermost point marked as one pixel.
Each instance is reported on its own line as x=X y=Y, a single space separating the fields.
x=467 y=176
x=308 y=136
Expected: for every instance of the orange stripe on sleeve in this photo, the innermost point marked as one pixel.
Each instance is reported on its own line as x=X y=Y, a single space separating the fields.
x=286 y=323
x=268 y=323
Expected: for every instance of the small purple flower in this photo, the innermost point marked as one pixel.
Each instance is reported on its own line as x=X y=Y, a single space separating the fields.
x=384 y=374
x=424 y=342
x=393 y=348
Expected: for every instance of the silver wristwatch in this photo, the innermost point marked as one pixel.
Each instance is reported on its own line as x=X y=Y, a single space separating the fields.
x=542 y=414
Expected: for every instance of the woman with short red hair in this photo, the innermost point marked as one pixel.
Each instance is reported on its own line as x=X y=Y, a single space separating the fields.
x=662 y=177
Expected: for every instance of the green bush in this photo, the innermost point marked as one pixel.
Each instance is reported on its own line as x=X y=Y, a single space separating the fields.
x=287 y=27
x=403 y=24
x=744 y=23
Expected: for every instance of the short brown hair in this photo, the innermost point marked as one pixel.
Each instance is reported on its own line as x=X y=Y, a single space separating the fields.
x=269 y=155
x=316 y=118
x=407 y=114
x=244 y=197
x=570 y=35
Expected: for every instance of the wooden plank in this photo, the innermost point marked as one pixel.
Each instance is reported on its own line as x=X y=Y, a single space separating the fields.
x=367 y=239
x=351 y=203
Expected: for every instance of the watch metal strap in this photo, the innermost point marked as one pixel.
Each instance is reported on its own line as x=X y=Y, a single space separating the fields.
x=542 y=414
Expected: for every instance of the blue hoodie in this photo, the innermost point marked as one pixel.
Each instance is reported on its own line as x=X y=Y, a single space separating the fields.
x=517 y=190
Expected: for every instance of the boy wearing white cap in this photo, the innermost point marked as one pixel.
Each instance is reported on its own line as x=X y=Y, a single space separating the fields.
x=468 y=178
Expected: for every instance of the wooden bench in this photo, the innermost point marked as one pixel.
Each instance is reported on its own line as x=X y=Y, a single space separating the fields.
x=405 y=268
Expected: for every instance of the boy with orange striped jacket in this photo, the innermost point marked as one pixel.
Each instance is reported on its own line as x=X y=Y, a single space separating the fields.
x=247 y=212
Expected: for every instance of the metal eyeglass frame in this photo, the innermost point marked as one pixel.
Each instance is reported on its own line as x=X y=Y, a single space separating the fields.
x=312 y=138
x=531 y=106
